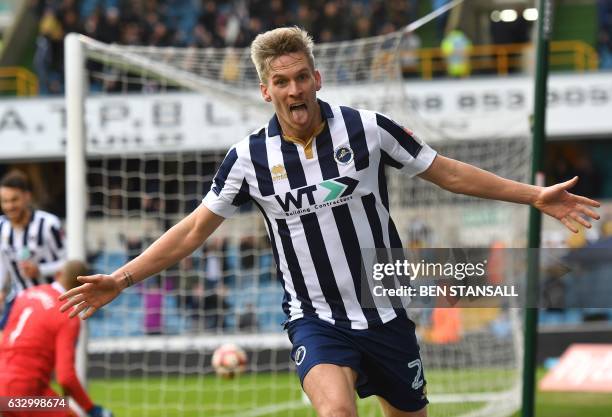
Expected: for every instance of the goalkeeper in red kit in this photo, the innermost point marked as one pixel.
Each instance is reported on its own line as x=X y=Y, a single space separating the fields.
x=37 y=340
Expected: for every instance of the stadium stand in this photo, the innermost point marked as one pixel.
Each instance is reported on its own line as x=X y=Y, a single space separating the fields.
x=186 y=23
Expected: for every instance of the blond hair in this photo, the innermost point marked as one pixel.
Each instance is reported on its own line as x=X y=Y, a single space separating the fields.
x=270 y=45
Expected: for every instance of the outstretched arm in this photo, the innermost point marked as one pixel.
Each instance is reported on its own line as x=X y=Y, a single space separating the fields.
x=556 y=201
x=178 y=242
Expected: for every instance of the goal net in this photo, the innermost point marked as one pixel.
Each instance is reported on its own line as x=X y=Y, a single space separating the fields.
x=158 y=123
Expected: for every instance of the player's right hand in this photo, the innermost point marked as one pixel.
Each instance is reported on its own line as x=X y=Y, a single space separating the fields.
x=96 y=291
x=99 y=411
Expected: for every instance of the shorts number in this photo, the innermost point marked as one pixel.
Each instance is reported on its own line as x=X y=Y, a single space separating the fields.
x=418 y=379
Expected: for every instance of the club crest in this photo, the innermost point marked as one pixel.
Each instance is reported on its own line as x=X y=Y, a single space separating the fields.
x=300 y=354
x=343 y=155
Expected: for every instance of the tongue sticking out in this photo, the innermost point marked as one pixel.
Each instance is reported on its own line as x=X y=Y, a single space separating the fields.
x=299 y=114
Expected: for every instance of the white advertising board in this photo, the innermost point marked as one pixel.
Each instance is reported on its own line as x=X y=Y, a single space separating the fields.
x=484 y=108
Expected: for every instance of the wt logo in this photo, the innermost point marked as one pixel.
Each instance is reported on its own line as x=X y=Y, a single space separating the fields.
x=337 y=188
x=297 y=201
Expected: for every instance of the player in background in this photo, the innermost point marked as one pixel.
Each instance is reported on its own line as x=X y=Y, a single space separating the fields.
x=38 y=340
x=31 y=242
x=339 y=346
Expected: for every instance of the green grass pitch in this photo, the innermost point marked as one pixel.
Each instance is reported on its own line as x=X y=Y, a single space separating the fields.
x=276 y=395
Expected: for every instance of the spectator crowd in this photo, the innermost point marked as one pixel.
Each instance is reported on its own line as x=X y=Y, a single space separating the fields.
x=203 y=24
x=235 y=23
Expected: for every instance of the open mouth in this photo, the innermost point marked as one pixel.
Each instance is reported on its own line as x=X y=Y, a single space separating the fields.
x=299 y=113
x=297 y=106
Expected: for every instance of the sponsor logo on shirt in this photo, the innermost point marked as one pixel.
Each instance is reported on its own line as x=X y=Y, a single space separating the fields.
x=325 y=194
x=278 y=173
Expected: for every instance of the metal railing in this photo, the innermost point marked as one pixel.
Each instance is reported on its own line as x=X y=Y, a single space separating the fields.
x=424 y=63
x=503 y=59
x=18 y=81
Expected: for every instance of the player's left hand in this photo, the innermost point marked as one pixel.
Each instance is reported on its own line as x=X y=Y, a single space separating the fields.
x=96 y=291
x=566 y=207
x=29 y=268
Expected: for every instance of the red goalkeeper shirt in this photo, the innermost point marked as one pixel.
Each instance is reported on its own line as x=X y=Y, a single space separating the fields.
x=38 y=339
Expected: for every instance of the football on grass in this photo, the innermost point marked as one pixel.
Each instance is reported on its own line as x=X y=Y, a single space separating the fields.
x=229 y=360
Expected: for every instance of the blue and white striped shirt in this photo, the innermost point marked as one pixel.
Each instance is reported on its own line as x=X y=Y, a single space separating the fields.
x=41 y=241
x=321 y=207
